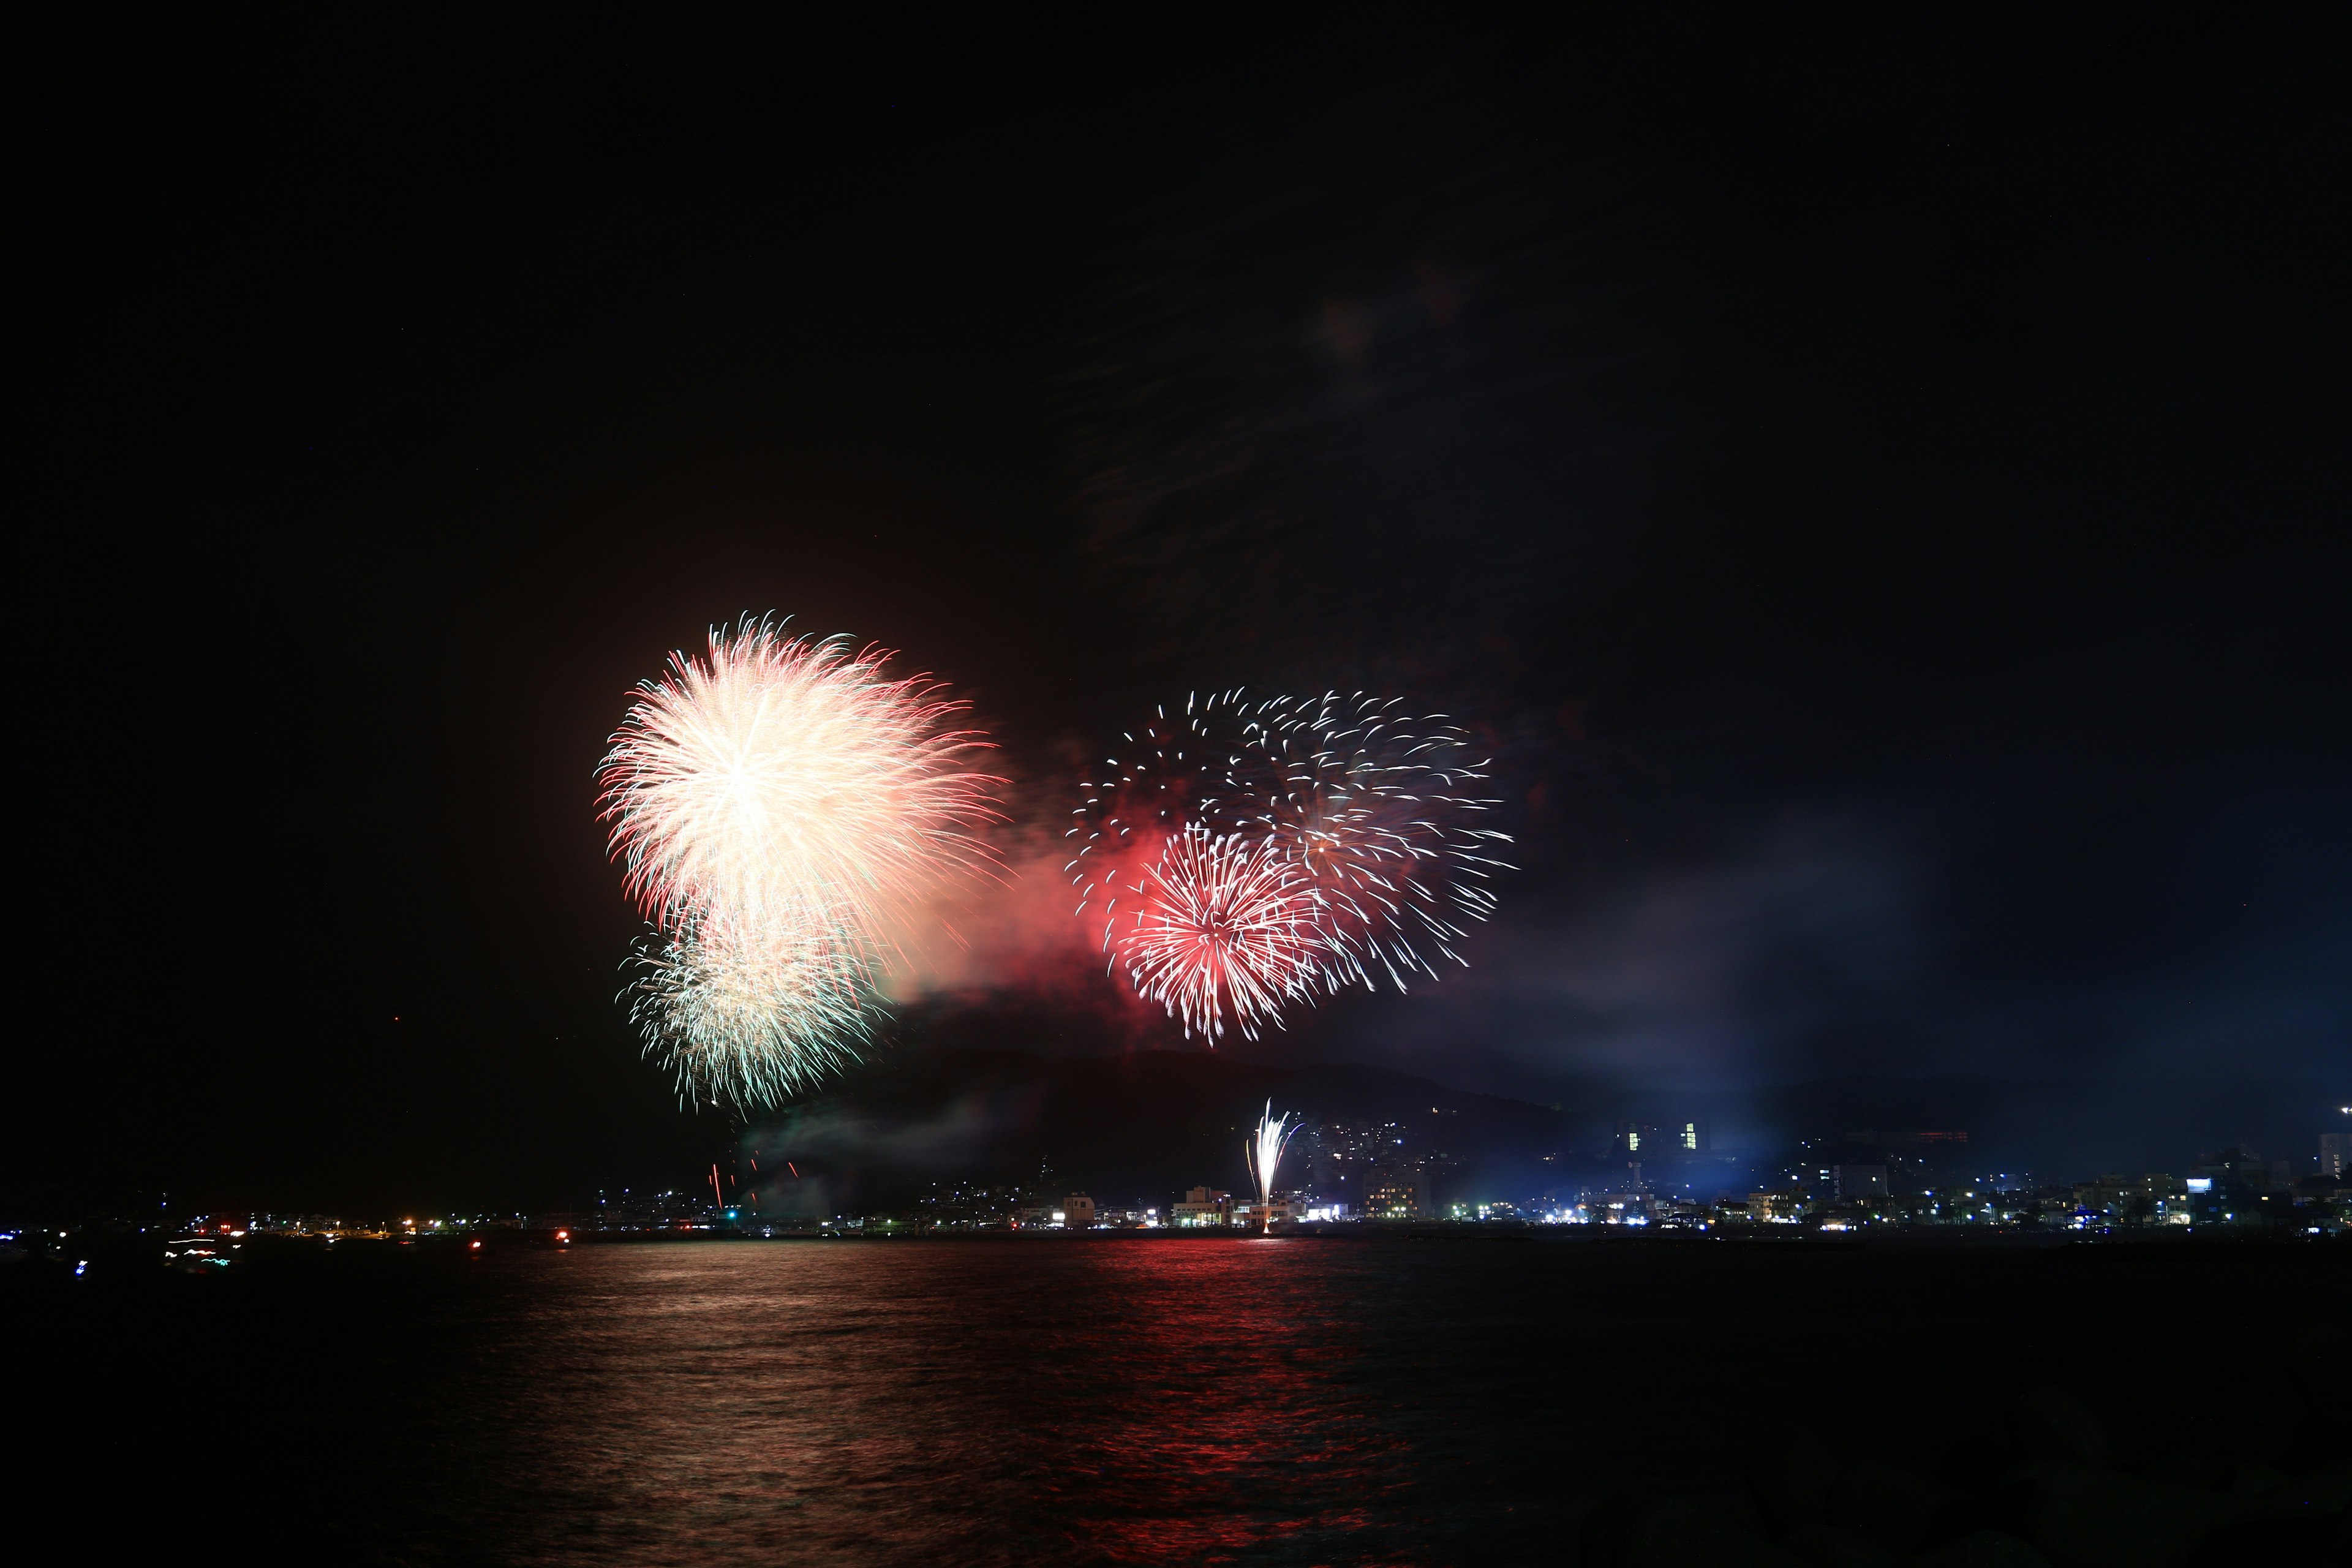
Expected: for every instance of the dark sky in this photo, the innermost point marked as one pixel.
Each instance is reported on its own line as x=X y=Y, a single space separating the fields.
x=1881 y=491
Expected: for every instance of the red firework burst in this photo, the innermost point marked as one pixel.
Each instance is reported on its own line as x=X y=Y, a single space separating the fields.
x=1218 y=923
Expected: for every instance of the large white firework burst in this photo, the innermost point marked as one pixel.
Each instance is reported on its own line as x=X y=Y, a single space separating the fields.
x=790 y=774
x=783 y=805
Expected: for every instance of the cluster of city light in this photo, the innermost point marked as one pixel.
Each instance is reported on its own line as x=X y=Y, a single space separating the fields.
x=1253 y=852
x=781 y=807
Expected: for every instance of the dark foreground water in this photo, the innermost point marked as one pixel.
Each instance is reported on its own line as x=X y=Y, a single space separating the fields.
x=1062 y=1400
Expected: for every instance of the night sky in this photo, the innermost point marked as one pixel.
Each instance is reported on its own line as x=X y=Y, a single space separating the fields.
x=1881 y=493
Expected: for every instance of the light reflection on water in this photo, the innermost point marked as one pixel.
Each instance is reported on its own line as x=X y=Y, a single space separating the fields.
x=1070 y=1400
x=1132 y=1402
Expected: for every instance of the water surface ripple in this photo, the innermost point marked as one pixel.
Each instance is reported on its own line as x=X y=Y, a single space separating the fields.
x=1067 y=1400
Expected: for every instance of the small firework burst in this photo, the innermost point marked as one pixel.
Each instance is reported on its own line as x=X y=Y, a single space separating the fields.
x=755 y=1014
x=1373 y=816
x=1217 y=925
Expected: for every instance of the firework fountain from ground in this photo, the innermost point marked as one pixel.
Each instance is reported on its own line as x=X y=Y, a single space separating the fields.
x=1263 y=1151
x=1347 y=837
x=782 y=806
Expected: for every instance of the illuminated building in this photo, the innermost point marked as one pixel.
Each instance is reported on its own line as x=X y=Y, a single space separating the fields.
x=1202 y=1206
x=1256 y=1217
x=1394 y=1193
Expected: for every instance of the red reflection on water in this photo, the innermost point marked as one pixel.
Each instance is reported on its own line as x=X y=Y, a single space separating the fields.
x=1226 y=1428
x=1017 y=1402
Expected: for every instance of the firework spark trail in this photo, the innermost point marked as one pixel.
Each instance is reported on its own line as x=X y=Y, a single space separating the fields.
x=1263 y=1151
x=1176 y=773
x=1374 y=812
x=782 y=808
x=1375 y=808
x=1217 y=923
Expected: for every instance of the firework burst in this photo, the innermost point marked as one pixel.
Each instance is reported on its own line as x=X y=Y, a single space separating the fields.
x=782 y=808
x=790 y=773
x=1216 y=924
x=1366 y=819
x=1171 y=774
x=1378 y=811
x=754 y=1015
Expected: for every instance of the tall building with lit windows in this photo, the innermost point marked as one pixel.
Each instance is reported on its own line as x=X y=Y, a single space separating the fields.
x=1655 y=1140
x=1634 y=1136
x=1397 y=1193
